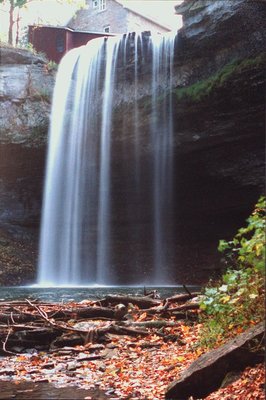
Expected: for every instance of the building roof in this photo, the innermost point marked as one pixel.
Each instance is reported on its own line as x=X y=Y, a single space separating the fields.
x=66 y=28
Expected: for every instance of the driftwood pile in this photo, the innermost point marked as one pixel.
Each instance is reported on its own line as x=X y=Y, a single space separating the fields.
x=37 y=325
x=88 y=330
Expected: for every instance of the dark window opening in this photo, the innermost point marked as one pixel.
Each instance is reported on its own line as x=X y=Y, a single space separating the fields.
x=102 y=6
x=60 y=43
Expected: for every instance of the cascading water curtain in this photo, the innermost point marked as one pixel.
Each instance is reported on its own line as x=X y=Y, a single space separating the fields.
x=76 y=241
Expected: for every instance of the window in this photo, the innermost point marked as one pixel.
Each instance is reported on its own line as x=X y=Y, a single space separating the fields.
x=60 y=43
x=102 y=5
x=99 y=4
x=106 y=28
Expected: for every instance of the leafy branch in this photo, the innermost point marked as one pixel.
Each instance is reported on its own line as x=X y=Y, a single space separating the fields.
x=236 y=301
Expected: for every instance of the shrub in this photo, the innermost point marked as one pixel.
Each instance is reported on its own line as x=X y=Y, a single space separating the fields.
x=237 y=300
x=51 y=66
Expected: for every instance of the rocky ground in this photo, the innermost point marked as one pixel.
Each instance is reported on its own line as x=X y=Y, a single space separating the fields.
x=17 y=260
x=134 y=354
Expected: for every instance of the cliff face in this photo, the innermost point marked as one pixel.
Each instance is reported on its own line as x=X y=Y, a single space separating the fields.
x=220 y=119
x=219 y=128
x=220 y=111
x=25 y=94
x=219 y=106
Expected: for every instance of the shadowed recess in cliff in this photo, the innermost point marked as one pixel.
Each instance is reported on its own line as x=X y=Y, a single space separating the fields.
x=83 y=204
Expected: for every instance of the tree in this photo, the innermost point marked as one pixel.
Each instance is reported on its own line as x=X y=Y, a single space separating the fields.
x=13 y=5
x=18 y=4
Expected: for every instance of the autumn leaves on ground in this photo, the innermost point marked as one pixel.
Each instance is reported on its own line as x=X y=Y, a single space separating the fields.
x=134 y=364
x=136 y=355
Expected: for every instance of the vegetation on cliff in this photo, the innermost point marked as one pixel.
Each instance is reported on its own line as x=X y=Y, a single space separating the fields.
x=237 y=300
x=199 y=90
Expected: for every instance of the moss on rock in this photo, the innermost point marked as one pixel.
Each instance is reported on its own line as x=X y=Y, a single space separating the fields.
x=199 y=90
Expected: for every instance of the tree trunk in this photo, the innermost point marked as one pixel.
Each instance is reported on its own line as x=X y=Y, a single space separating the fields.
x=17 y=28
x=11 y=22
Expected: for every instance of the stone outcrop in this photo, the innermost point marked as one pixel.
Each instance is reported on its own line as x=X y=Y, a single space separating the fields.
x=217 y=363
x=222 y=28
x=219 y=126
x=26 y=85
x=25 y=96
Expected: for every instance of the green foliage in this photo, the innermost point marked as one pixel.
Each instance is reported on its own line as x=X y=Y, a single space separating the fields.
x=15 y=3
x=237 y=300
x=247 y=249
x=29 y=47
x=51 y=66
x=201 y=89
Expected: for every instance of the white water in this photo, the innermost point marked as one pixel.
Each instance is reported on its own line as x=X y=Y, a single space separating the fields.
x=162 y=137
x=76 y=234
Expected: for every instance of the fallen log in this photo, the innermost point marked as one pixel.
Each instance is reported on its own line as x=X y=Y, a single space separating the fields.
x=17 y=318
x=123 y=330
x=206 y=374
x=61 y=313
x=58 y=335
x=179 y=312
x=182 y=297
x=149 y=324
x=30 y=338
x=84 y=312
x=152 y=293
x=185 y=307
x=141 y=302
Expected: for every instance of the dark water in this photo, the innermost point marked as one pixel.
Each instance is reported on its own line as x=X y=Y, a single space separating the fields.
x=67 y=294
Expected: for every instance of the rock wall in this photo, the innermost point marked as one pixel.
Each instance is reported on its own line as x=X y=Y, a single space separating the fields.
x=219 y=134
x=26 y=86
x=219 y=125
x=25 y=94
x=220 y=121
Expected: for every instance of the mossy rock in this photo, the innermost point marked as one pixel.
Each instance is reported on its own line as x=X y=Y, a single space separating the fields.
x=199 y=90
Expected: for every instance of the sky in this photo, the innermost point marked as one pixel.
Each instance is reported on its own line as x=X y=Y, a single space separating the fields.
x=162 y=10
x=59 y=13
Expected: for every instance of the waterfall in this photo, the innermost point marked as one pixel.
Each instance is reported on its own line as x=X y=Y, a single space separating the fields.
x=162 y=138
x=88 y=227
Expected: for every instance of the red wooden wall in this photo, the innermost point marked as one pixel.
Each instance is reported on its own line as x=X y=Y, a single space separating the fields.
x=56 y=41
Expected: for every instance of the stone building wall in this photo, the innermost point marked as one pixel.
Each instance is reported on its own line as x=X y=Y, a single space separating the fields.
x=119 y=19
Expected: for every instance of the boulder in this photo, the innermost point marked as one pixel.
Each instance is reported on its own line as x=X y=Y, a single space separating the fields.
x=207 y=373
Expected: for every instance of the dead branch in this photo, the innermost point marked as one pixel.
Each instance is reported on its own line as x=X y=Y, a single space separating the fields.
x=5 y=343
x=185 y=307
x=149 y=324
x=141 y=302
x=178 y=298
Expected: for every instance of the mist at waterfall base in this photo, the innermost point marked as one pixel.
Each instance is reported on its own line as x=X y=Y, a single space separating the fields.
x=103 y=223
